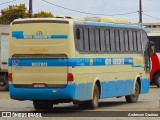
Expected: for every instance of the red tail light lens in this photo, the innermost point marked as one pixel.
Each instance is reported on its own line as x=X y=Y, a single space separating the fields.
x=10 y=77
x=14 y=23
x=67 y=22
x=70 y=77
x=37 y=21
x=4 y=63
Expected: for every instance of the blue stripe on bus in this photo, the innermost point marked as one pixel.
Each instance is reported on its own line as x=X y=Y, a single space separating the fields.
x=20 y=36
x=59 y=36
x=108 y=25
x=17 y=34
x=82 y=91
x=70 y=62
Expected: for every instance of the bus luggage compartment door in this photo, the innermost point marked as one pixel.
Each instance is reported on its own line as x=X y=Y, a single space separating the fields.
x=33 y=71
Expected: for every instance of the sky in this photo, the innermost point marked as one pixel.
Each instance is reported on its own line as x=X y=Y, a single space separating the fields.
x=151 y=8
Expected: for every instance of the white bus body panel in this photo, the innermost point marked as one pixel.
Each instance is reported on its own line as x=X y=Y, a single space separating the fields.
x=4 y=42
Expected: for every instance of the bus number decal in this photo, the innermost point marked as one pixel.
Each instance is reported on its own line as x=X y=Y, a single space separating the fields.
x=114 y=61
x=118 y=61
x=39 y=64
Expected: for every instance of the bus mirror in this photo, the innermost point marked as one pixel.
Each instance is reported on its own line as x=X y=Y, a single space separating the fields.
x=78 y=34
x=153 y=50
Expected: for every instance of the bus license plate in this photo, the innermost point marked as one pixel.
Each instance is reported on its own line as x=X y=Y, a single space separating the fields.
x=39 y=85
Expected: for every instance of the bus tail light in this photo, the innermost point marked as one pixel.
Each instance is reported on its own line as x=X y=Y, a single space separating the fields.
x=70 y=77
x=14 y=22
x=39 y=21
x=10 y=77
x=67 y=22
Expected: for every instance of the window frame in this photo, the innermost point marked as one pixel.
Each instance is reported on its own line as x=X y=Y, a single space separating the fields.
x=110 y=29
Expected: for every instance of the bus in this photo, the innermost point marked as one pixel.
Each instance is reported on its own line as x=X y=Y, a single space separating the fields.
x=61 y=60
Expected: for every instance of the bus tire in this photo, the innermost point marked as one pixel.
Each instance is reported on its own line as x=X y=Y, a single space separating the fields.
x=82 y=105
x=93 y=104
x=156 y=80
x=4 y=83
x=39 y=105
x=134 y=97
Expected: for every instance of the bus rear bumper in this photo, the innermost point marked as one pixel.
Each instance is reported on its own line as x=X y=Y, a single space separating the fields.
x=42 y=93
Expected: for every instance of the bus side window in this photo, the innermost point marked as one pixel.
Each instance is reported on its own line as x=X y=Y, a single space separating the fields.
x=139 y=42
x=78 y=33
x=135 y=41
x=102 y=39
x=122 y=41
x=97 y=38
x=92 y=40
x=79 y=39
x=126 y=40
x=117 y=40
x=112 y=36
x=86 y=39
x=107 y=38
x=131 y=41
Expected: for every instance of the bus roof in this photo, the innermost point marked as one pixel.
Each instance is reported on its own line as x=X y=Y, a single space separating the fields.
x=109 y=25
x=105 y=20
x=85 y=22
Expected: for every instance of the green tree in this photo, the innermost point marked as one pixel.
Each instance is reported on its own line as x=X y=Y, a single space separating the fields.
x=42 y=14
x=13 y=12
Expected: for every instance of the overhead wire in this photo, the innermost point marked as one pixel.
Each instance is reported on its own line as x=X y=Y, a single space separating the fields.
x=157 y=1
x=151 y=16
x=7 y=2
x=73 y=10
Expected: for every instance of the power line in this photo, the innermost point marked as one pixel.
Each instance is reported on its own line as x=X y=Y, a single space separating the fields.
x=151 y=16
x=86 y=12
x=157 y=1
x=8 y=2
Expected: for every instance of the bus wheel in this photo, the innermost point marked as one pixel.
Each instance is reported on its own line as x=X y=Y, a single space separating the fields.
x=134 y=97
x=93 y=104
x=40 y=105
x=157 y=80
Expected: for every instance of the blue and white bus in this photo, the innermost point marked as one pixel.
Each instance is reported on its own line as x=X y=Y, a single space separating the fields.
x=56 y=60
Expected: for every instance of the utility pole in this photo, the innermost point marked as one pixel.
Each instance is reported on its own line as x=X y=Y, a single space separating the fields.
x=30 y=8
x=140 y=11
